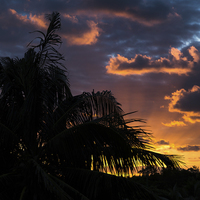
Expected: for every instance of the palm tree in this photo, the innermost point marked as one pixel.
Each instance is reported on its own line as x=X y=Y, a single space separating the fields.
x=58 y=146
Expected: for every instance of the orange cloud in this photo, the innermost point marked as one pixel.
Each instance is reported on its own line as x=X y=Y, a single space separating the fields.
x=177 y=54
x=142 y=64
x=133 y=17
x=194 y=53
x=34 y=19
x=146 y=22
x=174 y=123
x=128 y=14
x=86 y=38
x=186 y=103
x=72 y=18
x=39 y=20
x=18 y=16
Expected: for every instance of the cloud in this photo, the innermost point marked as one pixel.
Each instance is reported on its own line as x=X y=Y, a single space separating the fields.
x=87 y=37
x=142 y=64
x=186 y=103
x=38 y=20
x=162 y=142
x=189 y=100
x=18 y=16
x=174 y=123
x=148 y=13
x=189 y=148
x=72 y=18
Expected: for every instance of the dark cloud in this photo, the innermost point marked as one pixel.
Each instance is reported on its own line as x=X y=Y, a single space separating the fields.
x=38 y=6
x=195 y=117
x=189 y=148
x=152 y=10
x=162 y=142
x=186 y=102
x=189 y=101
x=140 y=63
x=115 y=5
x=74 y=25
x=145 y=12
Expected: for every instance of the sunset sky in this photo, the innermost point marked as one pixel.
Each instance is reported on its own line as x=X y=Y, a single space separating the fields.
x=147 y=52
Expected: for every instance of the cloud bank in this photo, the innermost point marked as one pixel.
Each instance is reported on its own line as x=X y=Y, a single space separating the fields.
x=176 y=63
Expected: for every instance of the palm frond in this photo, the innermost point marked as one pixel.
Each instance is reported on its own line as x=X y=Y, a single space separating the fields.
x=86 y=107
x=91 y=139
x=48 y=55
x=104 y=148
x=5 y=130
x=7 y=183
x=55 y=185
x=155 y=160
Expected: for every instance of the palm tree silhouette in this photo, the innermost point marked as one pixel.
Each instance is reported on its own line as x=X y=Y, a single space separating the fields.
x=55 y=145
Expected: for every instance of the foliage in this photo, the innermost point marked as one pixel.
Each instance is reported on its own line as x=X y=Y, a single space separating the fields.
x=176 y=184
x=53 y=145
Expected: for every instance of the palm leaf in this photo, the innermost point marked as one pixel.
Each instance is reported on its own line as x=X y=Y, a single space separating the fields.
x=55 y=185
x=156 y=160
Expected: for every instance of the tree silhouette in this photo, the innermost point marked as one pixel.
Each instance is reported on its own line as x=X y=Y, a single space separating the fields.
x=55 y=145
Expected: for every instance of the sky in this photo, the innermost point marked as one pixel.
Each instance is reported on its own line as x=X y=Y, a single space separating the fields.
x=146 y=52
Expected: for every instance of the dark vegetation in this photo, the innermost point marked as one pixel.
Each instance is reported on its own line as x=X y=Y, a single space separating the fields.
x=176 y=184
x=54 y=145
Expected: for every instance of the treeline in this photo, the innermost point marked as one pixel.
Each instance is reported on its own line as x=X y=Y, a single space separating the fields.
x=172 y=184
